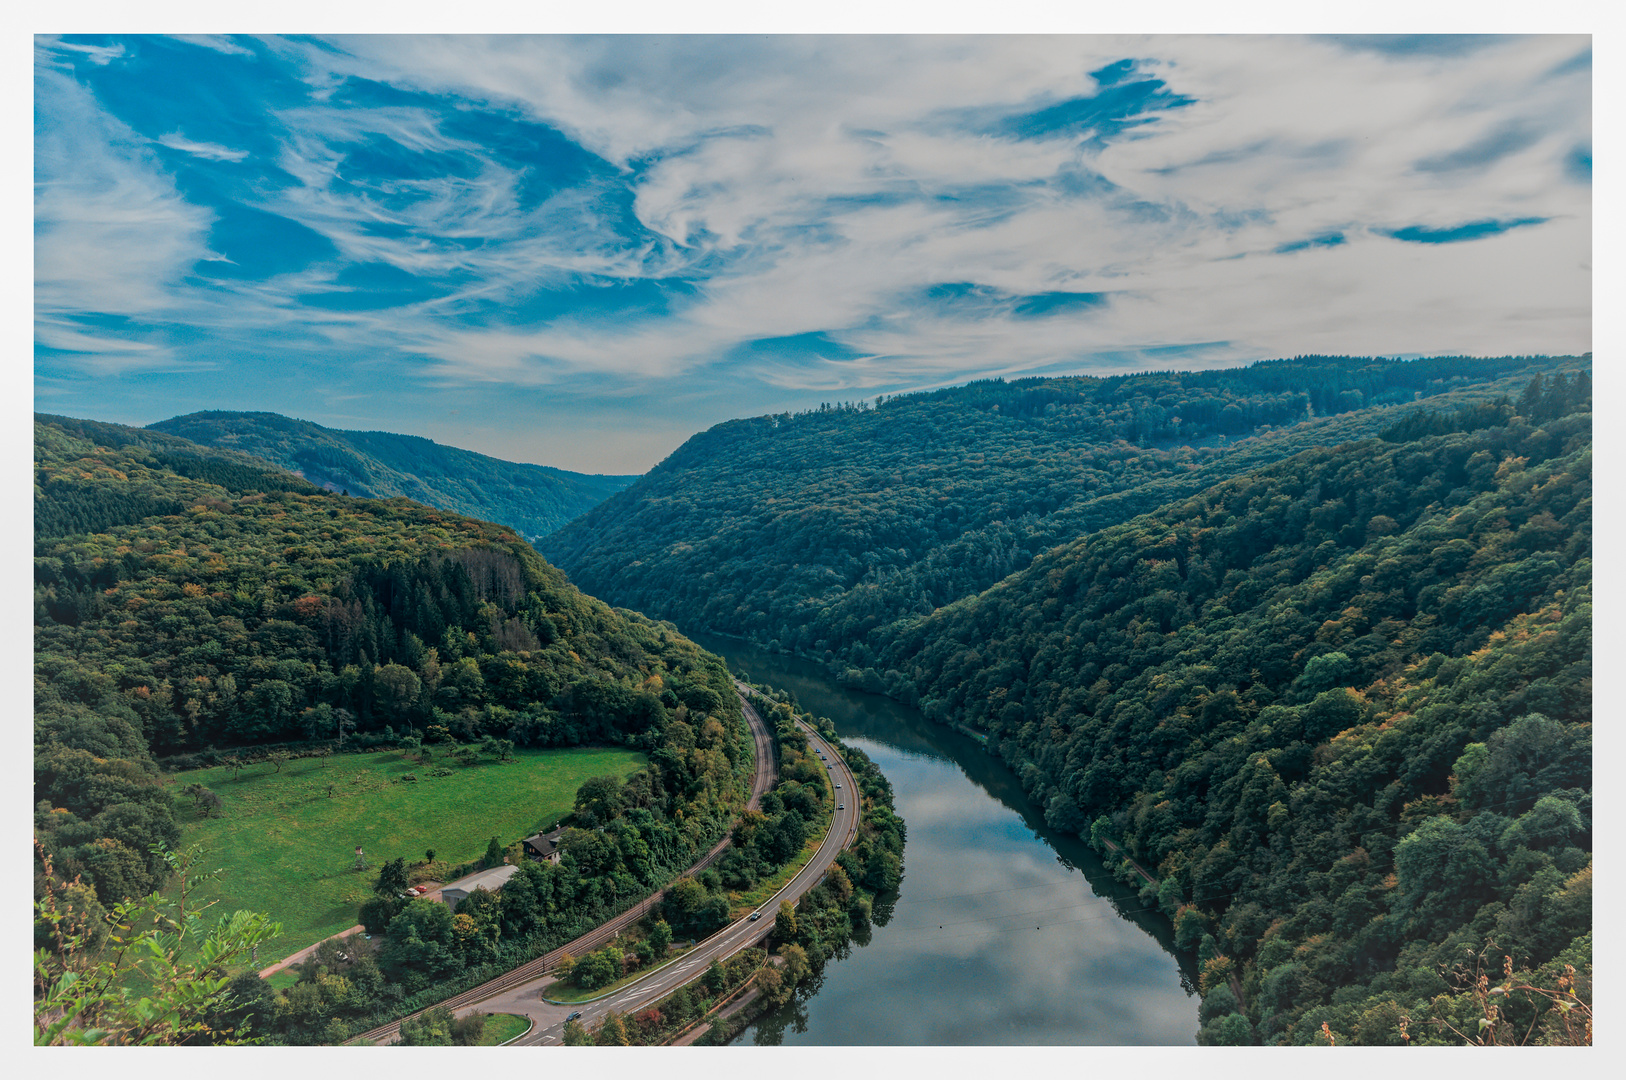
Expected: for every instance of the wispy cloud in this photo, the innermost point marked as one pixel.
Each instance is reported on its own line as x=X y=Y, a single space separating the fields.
x=208 y=151
x=806 y=215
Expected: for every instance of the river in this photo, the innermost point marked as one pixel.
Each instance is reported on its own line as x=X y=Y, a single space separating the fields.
x=1004 y=931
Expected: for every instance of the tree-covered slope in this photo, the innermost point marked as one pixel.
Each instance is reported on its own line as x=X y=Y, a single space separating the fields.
x=818 y=532
x=1340 y=708
x=531 y=499
x=186 y=601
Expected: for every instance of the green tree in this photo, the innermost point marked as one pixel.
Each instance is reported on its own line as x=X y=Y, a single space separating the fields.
x=598 y=968
x=613 y=1032
x=392 y=879
x=598 y=798
x=494 y=853
x=797 y=964
x=774 y=986
x=159 y=979
x=421 y=940
x=660 y=938
x=576 y=1035
x=715 y=978
x=785 y=926
x=432 y=1027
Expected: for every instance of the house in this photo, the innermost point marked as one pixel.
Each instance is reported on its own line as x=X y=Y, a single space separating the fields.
x=490 y=880
x=544 y=846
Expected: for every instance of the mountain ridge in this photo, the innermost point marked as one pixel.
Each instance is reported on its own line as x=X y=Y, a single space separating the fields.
x=532 y=499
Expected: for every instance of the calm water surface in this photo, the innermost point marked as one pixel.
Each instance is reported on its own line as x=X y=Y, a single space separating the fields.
x=1003 y=932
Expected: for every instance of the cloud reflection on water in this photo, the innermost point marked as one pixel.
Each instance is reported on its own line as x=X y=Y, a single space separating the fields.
x=981 y=870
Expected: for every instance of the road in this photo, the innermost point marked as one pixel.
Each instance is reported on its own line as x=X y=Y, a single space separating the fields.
x=518 y=991
x=549 y=1020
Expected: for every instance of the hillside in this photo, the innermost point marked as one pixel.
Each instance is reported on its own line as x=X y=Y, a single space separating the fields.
x=531 y=499
x=819 y=532
x=1341 y=707
x=188 y=601
x=1330 y=688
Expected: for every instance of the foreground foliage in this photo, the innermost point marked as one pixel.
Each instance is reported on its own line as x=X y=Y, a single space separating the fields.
x=148 y=972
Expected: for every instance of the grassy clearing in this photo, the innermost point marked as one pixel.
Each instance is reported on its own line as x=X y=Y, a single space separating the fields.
x=283 y=979
x=288 y=847
x=500 y=1027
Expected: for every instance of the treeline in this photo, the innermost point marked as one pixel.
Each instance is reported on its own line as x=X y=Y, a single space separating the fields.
x=1340 y=706
x=271 y=612
x=530 y=499
x=825 y=533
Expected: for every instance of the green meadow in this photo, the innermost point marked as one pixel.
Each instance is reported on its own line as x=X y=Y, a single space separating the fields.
x=286 y=841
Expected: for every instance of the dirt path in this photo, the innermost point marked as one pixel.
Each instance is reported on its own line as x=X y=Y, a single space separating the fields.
x=300 y=956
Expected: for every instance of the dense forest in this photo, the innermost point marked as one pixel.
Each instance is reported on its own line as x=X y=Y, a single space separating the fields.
x=533 y=500
x=191 y=603
x=816 y=532
x=1330 y=690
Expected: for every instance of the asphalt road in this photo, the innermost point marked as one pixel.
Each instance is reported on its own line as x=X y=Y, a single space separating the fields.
x=519 y=991
x=549 y=1024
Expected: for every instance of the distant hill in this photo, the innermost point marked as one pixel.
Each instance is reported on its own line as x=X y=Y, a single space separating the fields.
x=826 y=532
x=531 y=499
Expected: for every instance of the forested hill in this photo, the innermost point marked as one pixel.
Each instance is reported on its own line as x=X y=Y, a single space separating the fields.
x=531 y=499
x=191 y=601
x=818 y=532
x=1340 y=708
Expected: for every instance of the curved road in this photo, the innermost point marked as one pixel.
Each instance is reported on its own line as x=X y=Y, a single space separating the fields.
x=549 y=1020
x=517 y=991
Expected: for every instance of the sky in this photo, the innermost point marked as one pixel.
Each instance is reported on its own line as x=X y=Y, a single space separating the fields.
x=579 y=251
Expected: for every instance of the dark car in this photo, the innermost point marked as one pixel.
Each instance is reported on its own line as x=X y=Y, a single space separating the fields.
x=573 y=1016
x=755 y=915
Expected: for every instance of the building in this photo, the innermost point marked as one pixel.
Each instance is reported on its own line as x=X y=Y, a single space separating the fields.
x=490 y=880
x=544 y=846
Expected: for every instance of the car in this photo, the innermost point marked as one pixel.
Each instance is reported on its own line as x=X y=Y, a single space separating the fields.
x=830 y=767
x=841 y=806
x=573 y=1016
x=755 y=915
x=838 y=787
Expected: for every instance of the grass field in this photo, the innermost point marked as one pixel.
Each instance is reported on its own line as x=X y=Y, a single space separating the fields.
x=288 y=848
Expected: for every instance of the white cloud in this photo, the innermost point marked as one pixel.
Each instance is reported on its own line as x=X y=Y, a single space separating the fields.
x=208 y=151
x=218 y=42
x=821 y=184
x=112 y=236
x=771 y=158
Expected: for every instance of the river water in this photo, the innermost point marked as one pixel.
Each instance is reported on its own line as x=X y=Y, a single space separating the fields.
x=1004 y=932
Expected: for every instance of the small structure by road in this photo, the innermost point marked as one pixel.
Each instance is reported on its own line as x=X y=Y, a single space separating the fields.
x=490 y=880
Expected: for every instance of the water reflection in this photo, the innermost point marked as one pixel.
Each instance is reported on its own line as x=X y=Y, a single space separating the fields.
x=1004 y=932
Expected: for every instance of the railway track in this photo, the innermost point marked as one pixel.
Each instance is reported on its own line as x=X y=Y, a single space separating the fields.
x=761 y=781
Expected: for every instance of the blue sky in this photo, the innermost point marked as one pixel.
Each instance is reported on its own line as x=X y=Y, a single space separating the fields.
x=579 y=251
